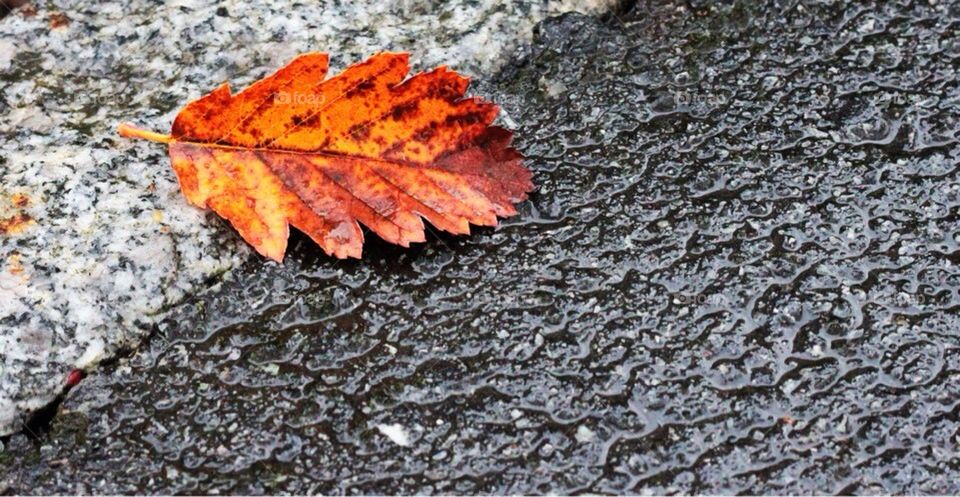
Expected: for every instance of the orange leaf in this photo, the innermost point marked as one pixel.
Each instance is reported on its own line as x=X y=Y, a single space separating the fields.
x=365 y=146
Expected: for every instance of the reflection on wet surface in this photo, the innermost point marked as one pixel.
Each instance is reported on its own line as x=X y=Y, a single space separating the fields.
x=737 y=275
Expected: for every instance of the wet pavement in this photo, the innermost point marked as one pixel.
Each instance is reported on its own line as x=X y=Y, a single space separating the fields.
x=737 y=275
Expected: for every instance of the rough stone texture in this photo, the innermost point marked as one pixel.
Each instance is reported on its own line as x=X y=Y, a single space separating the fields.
x=738 y=276
x=95 y=239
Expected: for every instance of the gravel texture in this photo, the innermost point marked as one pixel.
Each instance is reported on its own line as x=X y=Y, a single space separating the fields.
x=95 y=239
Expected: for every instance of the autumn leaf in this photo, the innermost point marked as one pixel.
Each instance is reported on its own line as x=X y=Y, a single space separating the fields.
x=363 y=147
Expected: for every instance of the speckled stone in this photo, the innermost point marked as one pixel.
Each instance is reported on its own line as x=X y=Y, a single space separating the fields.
x=95 y=239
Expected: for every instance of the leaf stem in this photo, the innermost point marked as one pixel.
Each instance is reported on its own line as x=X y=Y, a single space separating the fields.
x=128 y=130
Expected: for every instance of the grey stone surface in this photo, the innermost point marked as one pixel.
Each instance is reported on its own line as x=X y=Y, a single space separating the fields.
x=104 y=243
x=738 y=275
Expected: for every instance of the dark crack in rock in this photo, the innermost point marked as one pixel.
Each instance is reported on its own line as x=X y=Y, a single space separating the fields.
x=738 y=275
